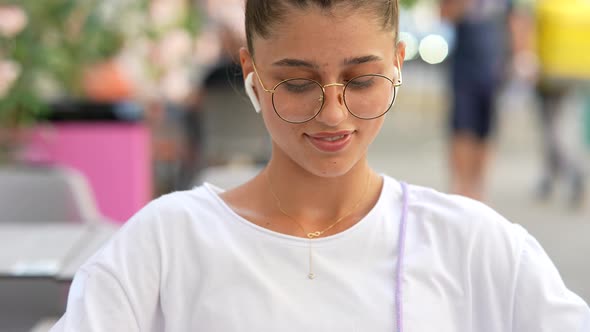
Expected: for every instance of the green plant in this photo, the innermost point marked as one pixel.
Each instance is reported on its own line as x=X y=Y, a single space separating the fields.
x=408 y=3
x=61 y=38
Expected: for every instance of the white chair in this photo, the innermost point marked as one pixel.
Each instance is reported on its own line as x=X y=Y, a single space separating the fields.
x=45 y=324
x=46 y=194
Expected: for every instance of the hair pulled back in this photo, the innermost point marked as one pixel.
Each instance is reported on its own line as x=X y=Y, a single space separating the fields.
x=262 y=15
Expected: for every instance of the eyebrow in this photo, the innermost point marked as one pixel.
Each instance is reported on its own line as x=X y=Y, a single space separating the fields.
x=360 y=60
x=296 y=63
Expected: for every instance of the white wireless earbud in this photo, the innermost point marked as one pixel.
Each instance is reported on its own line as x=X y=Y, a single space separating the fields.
x=249 y=86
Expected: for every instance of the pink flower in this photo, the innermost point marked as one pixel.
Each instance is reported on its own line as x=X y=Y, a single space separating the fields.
x=165 y=12
x=13 y=20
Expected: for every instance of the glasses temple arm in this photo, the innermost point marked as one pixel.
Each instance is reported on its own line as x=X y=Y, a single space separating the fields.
x=260 y=79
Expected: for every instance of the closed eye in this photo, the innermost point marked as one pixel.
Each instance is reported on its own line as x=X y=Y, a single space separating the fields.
x=363 y=82
x=299 y=86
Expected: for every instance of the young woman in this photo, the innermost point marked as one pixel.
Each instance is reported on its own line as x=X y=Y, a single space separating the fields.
x=318 y=241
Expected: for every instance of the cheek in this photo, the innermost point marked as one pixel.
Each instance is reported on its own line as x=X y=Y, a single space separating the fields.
x=271 y=120
x=372 y=128
x=279 y=130
x=265 y=99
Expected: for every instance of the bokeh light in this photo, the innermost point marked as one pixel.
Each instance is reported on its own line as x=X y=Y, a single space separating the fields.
x=411 y=45
x=434 y=49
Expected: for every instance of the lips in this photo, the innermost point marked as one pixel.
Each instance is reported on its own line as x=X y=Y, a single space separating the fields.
x=330 y=141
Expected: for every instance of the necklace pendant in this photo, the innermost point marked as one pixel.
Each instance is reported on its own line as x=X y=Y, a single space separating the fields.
x=311 y=276
x=314 y=235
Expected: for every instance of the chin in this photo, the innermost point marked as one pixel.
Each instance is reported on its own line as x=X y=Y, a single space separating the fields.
x=329 y=168
x=317 y=164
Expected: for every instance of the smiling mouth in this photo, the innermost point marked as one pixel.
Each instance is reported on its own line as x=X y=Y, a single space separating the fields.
x=331 y=142
x=333 y=139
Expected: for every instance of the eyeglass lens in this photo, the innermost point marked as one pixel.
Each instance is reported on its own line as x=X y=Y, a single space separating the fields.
x=366 y=97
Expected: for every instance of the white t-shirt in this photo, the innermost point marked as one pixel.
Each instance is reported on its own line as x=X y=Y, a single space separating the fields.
x=187 y=262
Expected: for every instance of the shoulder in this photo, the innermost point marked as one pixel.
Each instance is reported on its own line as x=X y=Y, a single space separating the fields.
x=461 y=215
x=154 y=232
x=179 y=207
x=467 y=234
x=168 y=218
x=193 y=199
x=465 y=240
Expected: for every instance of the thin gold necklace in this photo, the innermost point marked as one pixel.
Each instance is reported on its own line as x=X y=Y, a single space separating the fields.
x=316 y=234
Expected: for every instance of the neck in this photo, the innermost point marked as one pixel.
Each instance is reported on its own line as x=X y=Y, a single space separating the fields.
x=316 y=201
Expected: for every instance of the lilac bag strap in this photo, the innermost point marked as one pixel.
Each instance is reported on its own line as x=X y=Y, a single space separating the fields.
x=400 y=259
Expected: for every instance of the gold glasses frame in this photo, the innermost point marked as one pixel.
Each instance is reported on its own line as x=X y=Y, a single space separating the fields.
x=272 y=91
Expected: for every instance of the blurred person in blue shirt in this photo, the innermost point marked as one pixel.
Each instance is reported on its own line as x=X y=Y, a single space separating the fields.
x=477 y=69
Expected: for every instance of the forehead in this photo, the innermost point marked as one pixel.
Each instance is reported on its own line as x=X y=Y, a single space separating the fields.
x=325 y=37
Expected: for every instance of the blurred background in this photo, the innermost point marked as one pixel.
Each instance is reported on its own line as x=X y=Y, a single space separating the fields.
x=105 y=105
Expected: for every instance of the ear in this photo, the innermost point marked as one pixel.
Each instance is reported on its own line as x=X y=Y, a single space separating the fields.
x=248 y=72
x=400 y=55
x=246 y=62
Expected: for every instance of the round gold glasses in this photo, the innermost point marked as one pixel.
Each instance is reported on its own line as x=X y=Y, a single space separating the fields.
x=298 y=100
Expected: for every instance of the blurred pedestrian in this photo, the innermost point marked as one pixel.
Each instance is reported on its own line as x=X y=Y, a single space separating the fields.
x=478 y=66
x=559 y=161
x=554 y=84
x=559 y=75
x=215 y=64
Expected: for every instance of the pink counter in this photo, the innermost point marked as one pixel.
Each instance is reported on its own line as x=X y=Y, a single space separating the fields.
x=115 y=158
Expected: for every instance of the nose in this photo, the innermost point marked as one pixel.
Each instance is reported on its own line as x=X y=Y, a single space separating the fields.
x=334 y=110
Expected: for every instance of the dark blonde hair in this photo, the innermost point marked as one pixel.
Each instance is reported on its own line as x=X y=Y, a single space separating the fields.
x=261 y=15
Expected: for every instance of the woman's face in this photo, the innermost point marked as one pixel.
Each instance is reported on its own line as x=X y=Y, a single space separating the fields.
x=329 y=48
